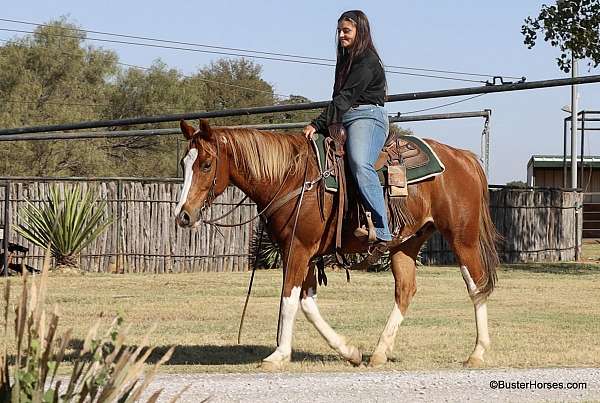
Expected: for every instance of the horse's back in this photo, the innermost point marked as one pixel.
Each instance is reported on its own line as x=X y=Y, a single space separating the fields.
x=455 y=196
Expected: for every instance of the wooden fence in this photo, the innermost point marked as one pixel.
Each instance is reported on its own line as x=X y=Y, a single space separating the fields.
x=537 y=225
x=143 y=237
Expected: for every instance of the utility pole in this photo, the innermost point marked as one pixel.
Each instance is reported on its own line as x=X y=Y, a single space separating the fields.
x=573 y=123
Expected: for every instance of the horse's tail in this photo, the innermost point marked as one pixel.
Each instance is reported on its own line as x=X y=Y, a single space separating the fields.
x=488 y=237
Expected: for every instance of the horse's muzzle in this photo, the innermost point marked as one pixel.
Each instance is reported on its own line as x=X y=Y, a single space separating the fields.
x=185 y=219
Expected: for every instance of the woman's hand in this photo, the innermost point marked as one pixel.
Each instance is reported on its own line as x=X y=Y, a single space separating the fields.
x=309 y=131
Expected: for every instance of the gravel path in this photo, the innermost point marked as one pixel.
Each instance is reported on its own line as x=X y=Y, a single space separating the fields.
x=450 y=386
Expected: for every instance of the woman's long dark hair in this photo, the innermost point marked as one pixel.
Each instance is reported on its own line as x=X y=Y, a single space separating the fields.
x=362 y=43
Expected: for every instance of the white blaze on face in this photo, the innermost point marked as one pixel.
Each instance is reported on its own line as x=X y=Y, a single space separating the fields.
x=188 y=173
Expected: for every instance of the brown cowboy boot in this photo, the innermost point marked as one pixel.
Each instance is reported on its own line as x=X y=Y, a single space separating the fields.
x=375 y=251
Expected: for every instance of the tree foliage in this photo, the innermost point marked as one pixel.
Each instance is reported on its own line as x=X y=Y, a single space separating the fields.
x=53 y=77
x=571 y=25
x=49 y=79
x=516 y=184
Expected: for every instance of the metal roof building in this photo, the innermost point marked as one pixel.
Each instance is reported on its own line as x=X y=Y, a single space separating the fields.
x=547 y=171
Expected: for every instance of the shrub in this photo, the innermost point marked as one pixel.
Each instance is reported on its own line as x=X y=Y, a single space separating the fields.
x=105 y=370
x=67 y=224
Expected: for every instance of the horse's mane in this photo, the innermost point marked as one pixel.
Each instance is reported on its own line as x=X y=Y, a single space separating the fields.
x=265 y=156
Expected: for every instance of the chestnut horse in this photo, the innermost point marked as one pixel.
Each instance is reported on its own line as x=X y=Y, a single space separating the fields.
x=266 y=166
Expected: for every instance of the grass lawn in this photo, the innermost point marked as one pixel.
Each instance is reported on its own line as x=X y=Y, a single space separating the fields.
x=542 y=315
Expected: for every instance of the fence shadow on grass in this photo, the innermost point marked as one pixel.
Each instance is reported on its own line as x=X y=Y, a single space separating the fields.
x=212 y=354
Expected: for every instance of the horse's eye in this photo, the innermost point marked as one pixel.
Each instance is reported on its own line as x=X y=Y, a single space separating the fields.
x=206 y=166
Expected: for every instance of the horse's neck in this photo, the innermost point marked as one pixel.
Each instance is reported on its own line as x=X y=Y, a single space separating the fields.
x=257 y=191
x=263 y=192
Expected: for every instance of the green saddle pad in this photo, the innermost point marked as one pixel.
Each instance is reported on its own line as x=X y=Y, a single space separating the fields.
x=432 y=168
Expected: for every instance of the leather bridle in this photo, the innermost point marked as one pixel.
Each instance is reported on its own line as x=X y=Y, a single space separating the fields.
x=271 y=207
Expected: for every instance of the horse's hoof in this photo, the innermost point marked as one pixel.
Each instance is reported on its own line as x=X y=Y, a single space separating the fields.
x=355 y=357
x=272 y=366
x=377 y=360
x=474 y=362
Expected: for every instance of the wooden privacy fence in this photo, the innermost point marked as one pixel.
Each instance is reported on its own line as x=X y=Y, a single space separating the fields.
x=143 y=237
x=537 y=225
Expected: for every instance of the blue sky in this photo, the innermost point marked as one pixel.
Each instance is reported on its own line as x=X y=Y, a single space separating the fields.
x=472 y=36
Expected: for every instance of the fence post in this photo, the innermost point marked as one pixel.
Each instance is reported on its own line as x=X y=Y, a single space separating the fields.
x=6 y=225
x=578 y=223
x=118 y=239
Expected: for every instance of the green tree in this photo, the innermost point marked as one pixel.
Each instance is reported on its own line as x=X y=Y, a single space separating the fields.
x=159 y=89
x=136 y=92
x=395 y=128
x=571 y=25
x=295 y=116
x=47 y=78
x=229 y=83
x=53 y=77
x=516 y=184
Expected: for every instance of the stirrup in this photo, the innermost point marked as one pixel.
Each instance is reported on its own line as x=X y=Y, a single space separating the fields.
x=375 y=253
x=368 y=232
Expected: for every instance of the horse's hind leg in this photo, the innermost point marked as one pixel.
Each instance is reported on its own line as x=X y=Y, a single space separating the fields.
x=308 y=302
x=472 y=271
x=404 y=270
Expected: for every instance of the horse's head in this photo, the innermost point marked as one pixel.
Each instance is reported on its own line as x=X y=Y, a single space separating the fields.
x=205 y=172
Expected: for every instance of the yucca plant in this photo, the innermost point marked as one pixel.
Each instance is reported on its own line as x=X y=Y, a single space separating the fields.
x=105 y=370
x=68 y=224
x=266 y=254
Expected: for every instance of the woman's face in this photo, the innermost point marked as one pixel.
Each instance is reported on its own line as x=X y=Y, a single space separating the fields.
x=346 y=33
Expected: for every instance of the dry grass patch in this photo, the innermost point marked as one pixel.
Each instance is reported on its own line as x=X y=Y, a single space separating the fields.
x=540 y=316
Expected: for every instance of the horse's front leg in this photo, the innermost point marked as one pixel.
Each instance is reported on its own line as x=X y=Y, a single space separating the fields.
x=289 y=308
x=308 y=302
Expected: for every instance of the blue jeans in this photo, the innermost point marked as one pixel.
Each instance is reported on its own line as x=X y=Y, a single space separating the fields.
x=367 y=127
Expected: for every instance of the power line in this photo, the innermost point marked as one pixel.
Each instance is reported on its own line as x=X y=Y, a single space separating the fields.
x=194 y=77
x=441 y=106
x=211 y=81
x=234 y=54
x=244 y=50
x=98 y=106
x=226 y=84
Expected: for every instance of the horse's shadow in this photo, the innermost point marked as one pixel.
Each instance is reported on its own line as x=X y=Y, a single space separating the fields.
x=211 y=354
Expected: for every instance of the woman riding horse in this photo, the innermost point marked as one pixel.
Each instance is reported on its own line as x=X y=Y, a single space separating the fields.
x=357 y=104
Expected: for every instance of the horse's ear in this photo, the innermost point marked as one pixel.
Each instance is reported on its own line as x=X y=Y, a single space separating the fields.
x=205 y=129
x=187 y=130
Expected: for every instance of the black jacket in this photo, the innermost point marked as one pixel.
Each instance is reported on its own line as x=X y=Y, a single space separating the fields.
x=365 y=85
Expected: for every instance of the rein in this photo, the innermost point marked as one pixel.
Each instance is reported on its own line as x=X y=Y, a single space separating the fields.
x=273 y=205
x=269 y=205
x=303 y=189
x=211 y=197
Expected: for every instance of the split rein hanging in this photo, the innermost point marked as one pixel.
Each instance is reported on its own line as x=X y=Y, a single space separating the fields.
x=306 y=186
